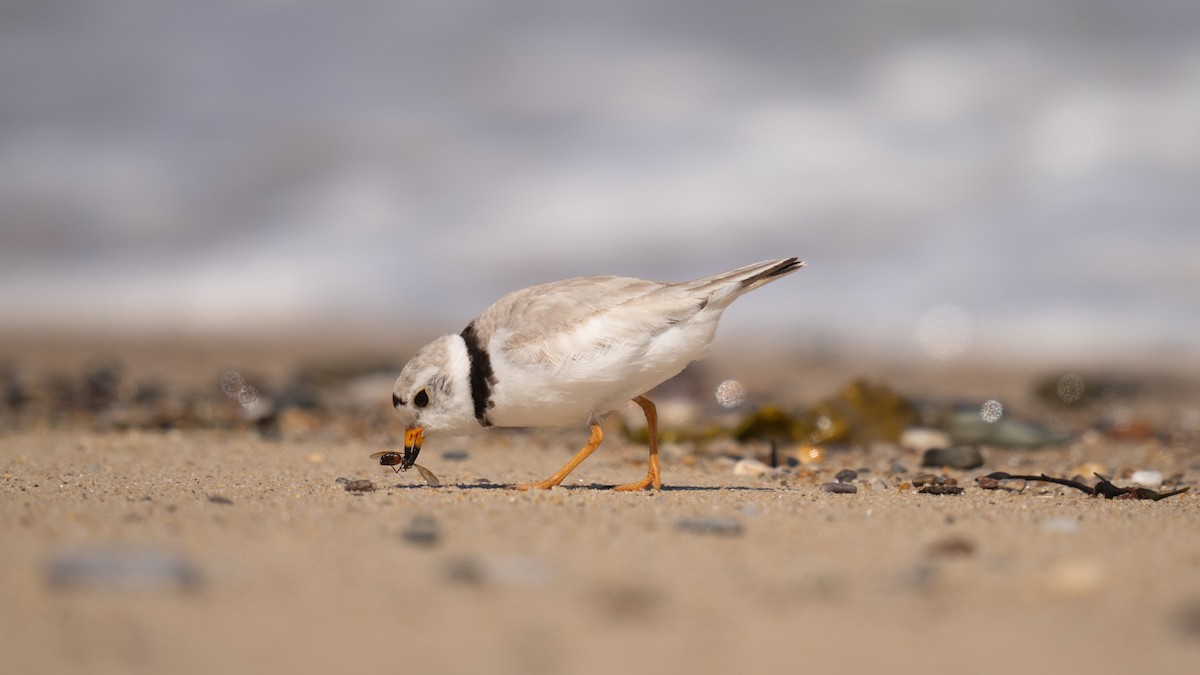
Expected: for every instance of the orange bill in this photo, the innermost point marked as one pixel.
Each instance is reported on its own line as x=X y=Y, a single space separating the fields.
x=413 y=438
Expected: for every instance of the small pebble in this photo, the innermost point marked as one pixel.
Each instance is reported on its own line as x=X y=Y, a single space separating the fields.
x=927 y=479
x=951 y=547
x=1061 y=525
x=955 y=457
x=467 y=571
x=1145 y=478
x=920 y=439
x=846 y=476
x=750 y=467
x=987 y=483
x=1189 y=620
x=455 y=455
x=360 y=485
x=422 y=531
x=941 y=490
x=897 y=467
x=342 y=480
x=1076 y=577
x=122 y=569
x=923 y=575
x=970 y=427
x=991 y=482
x=218 y=499
x=626 y=602
x=724 y=527
x=1088 y=470
x=502 y=571
x=840 y=488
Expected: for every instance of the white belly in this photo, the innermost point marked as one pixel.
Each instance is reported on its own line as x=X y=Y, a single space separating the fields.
x=594 y=384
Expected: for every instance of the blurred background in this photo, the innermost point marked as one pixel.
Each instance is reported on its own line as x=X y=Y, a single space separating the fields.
x=1015 y=178
x=228 y=216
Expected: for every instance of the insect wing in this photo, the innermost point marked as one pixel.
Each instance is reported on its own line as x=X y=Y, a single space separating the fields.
x=429 y=476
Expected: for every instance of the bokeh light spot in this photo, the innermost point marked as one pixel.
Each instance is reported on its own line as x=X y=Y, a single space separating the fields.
x=1070 y=388
x=232 y=382
x=236 y=387
x=731 y=394
x=991 y=410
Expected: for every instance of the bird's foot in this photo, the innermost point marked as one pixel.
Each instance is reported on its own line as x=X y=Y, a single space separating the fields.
x=651 y=480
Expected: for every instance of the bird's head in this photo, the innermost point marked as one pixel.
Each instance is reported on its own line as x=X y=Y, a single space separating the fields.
x=433 y=393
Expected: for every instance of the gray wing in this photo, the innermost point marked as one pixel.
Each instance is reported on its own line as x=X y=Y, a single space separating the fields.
x=588 y=313
x=568 y=319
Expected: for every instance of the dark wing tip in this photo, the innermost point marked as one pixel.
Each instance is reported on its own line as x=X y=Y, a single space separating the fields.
x=779 y=269
x=788 y=265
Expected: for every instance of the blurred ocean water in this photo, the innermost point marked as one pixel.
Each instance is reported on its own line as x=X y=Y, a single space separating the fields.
x=1024 y=175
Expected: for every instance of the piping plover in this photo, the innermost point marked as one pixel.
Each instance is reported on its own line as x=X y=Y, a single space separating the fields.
x=565 y=353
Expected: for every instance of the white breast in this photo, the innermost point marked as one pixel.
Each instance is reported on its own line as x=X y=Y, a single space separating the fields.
x=585 y=383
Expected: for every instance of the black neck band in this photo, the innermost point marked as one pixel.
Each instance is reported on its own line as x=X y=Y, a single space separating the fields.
x=482 y=377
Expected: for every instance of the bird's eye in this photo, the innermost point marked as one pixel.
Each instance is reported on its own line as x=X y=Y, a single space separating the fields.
x=422 y=398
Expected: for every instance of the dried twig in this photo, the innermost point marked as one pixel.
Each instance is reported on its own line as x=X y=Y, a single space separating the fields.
x=1104 y=488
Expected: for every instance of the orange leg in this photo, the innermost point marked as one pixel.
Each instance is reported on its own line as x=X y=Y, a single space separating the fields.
x=652 y=478
x=593 y=442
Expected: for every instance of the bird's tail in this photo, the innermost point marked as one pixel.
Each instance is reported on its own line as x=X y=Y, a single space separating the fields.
x=727 y=286
x=767 y=272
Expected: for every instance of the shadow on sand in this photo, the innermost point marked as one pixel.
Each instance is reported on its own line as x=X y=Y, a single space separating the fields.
x=591 y=486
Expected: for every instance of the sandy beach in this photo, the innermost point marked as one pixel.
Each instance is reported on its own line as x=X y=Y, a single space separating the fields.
x=226 y=227
x=201 y=550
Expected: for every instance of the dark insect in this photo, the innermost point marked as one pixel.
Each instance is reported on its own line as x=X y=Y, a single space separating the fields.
x=394 y=460
x=405 y=462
